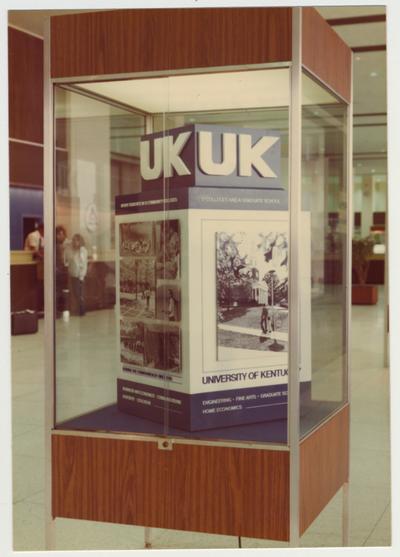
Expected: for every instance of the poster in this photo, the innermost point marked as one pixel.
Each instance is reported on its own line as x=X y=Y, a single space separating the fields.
x=149 y=294
x=204 y=316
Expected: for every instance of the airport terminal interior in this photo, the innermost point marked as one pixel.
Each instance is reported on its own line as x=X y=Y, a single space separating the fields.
x=86 y=325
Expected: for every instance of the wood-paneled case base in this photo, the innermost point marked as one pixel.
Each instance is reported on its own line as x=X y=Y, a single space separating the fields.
x=222 y=490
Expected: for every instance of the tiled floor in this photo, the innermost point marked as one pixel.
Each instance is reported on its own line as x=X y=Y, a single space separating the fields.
x=370 y=456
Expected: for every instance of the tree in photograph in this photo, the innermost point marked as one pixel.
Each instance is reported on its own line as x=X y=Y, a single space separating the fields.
x=272 y=281
x=136 y=267
x=267 y=244
x=231 y=268
x=281 y=292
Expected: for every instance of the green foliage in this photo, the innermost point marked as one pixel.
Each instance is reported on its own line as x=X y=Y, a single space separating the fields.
x=362 y=249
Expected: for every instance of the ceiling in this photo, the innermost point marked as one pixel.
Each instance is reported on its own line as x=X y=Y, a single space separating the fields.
x=351 y=11
x=210 y=92
x=368 y=38
x=369 y=78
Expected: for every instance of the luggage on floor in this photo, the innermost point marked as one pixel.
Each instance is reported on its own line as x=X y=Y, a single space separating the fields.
x=24 y=322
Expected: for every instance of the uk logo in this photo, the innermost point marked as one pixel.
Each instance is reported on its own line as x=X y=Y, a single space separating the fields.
x=215 y=156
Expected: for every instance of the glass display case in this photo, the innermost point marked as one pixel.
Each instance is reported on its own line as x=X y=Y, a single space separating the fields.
x=172 y=282
x=200 y=274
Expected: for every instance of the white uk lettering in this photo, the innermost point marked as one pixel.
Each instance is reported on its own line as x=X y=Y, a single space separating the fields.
x=172 y=150
x=148 y=172
x=166 y=157
x=251 y=155
x=206 y=162
x=236 y=152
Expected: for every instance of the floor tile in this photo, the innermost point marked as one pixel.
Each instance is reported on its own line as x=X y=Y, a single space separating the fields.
x=30 y=444
x=28 y=527
x=28 y=476
x=381 y=534
x=82 y=534
x=37 y=498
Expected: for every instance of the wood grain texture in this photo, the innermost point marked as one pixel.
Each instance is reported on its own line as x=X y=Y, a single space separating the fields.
x=357 y=20
x=122 y=41
x=25 y=73
x=324 y=466
x=369 y=48
x=221 y=490
x=325 y=54
x=26 y=165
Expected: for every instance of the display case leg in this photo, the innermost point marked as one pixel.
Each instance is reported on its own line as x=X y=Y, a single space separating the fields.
x=294 y=541
x=50 y=534
x=240 y=542
x=147 y=538
x=346 y=515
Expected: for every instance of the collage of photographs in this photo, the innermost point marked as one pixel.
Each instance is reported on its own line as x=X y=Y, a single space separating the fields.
x=150 y=294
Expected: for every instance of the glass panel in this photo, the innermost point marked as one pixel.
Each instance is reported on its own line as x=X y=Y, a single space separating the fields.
x=218 y=242
x=198 y=340
x=370 y=197
x=96 y=158
x=323 y=252
x=370 y=161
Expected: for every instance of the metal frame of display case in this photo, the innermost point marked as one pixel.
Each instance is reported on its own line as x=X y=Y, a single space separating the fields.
x=295 y=449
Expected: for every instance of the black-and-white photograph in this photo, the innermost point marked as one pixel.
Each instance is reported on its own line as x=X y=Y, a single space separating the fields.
x=137 y=286
x=168 y=301
x=132 y=342
x=162 y=347
x=168 y=249
x=136 y=238
x=251 y=291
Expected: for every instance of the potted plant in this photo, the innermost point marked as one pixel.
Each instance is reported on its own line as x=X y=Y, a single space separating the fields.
x=363 y=293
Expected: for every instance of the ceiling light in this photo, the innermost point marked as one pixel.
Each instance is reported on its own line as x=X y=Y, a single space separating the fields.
x=372 y=170
x=358 y=58
x=373 y=74
x=359 y=164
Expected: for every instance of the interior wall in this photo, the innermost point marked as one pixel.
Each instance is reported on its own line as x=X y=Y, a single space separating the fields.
x=25 y=67
x=24 y=202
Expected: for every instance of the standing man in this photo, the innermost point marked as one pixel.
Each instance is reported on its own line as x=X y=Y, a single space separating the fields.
x=34 y=242
x=61 y=270
x=264 y=319
x=77 y=260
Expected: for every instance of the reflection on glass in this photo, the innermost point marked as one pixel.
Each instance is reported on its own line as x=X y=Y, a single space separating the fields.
x=324 y=192
x=97 y=158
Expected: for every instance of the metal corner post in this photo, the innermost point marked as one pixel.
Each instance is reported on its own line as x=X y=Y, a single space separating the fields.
x=349 y=237
x=294 y=277
x=48 y=282
x=348 y=290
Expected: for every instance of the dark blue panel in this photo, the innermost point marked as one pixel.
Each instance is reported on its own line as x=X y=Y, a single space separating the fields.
x=24 y=202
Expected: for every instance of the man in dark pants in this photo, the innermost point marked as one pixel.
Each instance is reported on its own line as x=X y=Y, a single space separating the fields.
x=34 y=242
x=61 y=271
x=264 y=319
